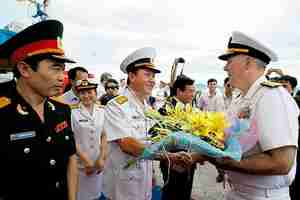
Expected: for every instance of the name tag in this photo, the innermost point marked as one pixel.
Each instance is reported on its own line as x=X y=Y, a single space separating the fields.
x=136 y=117
x=22 y=135
x=83 y=120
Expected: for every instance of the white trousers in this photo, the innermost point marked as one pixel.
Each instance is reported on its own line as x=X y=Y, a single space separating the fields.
x=133 y=183
x=90 y=187
x=240 y=192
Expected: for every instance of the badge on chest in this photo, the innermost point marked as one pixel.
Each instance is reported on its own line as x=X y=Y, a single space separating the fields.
x=22 y=135
x=61 y=126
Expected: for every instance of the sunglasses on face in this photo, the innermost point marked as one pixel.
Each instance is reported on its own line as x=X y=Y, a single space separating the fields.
x=112 y=87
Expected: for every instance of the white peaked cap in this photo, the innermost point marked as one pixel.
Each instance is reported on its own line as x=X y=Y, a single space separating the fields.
x=240 y=43
x=142 y=58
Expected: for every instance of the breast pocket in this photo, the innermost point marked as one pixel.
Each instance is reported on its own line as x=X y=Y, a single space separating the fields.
x=138 y=123
x=133 y=174
x=24 y=146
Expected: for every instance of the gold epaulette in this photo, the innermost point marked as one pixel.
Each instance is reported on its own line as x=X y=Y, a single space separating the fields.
x=99 y=105
x=271 y=84
x=121 y=99
x=4 y=101
x=74 y=106
x=59 y=99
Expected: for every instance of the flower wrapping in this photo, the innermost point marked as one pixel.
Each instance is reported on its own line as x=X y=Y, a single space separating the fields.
x=209 y=133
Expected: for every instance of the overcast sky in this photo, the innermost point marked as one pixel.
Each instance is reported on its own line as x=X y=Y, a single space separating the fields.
x=99 y=34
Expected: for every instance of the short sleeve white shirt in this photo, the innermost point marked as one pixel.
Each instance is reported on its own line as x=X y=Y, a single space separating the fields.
x=214 y=103
x=70 y=98
x=87 y=128
x=274 y=115
x=125 y=118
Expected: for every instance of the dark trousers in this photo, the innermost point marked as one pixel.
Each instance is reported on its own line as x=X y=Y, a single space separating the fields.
x=180 y=184
x=293 y=191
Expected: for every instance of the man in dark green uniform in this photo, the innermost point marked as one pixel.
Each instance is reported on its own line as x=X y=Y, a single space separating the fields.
x=37 y=147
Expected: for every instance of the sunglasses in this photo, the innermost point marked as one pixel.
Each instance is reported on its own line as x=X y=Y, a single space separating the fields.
x=112 y=87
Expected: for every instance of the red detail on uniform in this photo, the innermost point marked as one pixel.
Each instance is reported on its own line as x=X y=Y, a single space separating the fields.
x=22 y=52
x=61 y=126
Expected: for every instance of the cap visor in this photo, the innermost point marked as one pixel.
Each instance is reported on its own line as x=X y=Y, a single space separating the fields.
x=63 y=58
x=152 y=69
x=88 y=87
x=225 y=56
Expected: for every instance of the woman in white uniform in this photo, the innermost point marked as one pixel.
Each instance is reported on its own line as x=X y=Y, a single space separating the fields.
x=87 y=124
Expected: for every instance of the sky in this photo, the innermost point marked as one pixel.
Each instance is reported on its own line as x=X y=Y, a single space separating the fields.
x=99 y=34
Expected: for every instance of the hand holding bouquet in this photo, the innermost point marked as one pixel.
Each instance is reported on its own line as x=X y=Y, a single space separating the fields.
x=185 y=128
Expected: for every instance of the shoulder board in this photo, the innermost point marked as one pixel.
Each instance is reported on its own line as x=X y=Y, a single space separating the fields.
x=99 y=105
x=74 y=106
x=270 y=84
x=121 y=99
x=58 y=99
x=4 y=101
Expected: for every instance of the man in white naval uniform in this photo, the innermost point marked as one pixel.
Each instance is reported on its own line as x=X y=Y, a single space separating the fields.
x=268 y=168
x=126 y=127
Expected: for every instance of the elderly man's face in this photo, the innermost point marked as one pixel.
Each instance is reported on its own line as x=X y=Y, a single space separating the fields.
x=235 y=68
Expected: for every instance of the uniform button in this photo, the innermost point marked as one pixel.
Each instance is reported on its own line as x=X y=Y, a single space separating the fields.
x=26 y=150
x=92 y=146
x=67 y=137
x=92 y=132
x=49 y=139
x=57 y=184
x=52 y=162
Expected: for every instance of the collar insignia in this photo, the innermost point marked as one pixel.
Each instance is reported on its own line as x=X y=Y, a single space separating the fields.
x=22 y=110
x=51 y=106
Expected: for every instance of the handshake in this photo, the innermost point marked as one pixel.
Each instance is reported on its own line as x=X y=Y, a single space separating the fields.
x=182 y=158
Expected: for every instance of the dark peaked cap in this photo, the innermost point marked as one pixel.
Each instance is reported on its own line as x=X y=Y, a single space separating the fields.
x=85 y=85
x=41 y=38
x=240 y=43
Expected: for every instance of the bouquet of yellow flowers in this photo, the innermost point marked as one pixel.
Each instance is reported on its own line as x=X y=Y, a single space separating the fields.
x=185 y=128
x=209 y=126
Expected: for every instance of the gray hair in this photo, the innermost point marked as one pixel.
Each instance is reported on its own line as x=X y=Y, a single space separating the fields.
x=260 y=63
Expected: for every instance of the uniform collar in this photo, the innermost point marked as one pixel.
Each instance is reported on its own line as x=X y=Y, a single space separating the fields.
x=254 y=87
x=131 y=95
x=179 y=102
x=85 y=112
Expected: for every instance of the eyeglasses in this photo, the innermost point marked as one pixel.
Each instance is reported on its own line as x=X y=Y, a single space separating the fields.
x=112 y=87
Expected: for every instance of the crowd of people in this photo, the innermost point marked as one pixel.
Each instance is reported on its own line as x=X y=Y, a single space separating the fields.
x=74 y=145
